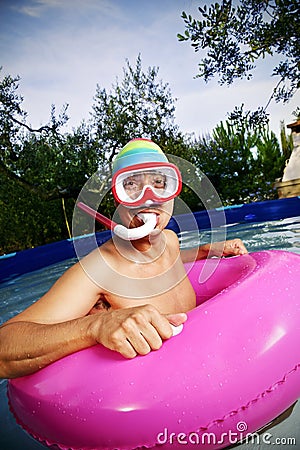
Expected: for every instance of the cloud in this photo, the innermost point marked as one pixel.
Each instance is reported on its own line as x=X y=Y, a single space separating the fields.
x=36 y=8
x=63 y=49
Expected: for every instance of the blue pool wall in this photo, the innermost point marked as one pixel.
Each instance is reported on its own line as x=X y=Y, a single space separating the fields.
x=15 y=264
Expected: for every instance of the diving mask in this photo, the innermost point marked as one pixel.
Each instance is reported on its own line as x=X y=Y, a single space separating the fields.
x=146 y=184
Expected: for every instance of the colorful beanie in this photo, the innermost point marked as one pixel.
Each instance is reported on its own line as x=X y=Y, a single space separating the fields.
x=138 y=151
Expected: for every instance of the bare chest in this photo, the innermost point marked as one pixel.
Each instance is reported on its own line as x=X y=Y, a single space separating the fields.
x=165 y=286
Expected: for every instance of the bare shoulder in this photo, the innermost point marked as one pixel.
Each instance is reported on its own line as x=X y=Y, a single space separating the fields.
x=172 y=242
x=100 y=253
x=71 y=296
x=172 y=237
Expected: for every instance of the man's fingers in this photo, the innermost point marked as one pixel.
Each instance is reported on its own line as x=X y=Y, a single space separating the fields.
x=147 y=328
x=141 y=335
x=127 y=350
x=176 y=319
x=137 y=331
x=234 y=247
x=145 y=340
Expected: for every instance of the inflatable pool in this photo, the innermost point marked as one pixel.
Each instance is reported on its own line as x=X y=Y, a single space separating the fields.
x=234 y=368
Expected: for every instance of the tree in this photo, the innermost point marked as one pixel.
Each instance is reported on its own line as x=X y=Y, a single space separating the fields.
x=140 y=105
x=21 y=145
x=242 y=160
x=235 y=34
x=39 y=170
x=43 y=170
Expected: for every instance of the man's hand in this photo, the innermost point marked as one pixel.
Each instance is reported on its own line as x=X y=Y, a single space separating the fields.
x=134 y=331
x=228 y=248
x=225 y=248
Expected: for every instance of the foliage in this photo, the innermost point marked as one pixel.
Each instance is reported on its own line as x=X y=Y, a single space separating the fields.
x=26 y=219
x=21 y=153
x=40 y=167
x=235 y=34
x=242 y=161
x=43 y=170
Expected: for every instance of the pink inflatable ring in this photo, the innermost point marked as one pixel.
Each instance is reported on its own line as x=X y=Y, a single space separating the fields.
x=234 y=368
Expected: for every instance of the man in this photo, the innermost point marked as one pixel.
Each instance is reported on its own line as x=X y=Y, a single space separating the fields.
x=124 y=295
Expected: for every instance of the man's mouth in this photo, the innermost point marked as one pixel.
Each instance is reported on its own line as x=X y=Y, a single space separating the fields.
x=137 y=220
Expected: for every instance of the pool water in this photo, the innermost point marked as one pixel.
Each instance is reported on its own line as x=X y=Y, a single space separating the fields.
x=18 y=293
x=282 y=234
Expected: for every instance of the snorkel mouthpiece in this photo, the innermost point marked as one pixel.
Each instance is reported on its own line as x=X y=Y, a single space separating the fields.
x=131 y=234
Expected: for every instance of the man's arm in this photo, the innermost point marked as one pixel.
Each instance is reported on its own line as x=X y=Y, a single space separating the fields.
x=51 y=328
x=58 y=324
x=225 y=248
x=28 y=346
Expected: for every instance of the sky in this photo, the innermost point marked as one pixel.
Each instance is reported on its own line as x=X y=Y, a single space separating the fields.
x=63 y=49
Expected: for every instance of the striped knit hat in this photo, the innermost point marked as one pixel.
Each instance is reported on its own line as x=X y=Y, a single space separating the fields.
x=138 y=151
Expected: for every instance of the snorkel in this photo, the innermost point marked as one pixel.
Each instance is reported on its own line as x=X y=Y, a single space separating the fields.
x=128 y=234
x=136 y=158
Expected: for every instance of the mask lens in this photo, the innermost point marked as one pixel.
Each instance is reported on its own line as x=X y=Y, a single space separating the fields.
x=134 y=184
x=157 y=184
